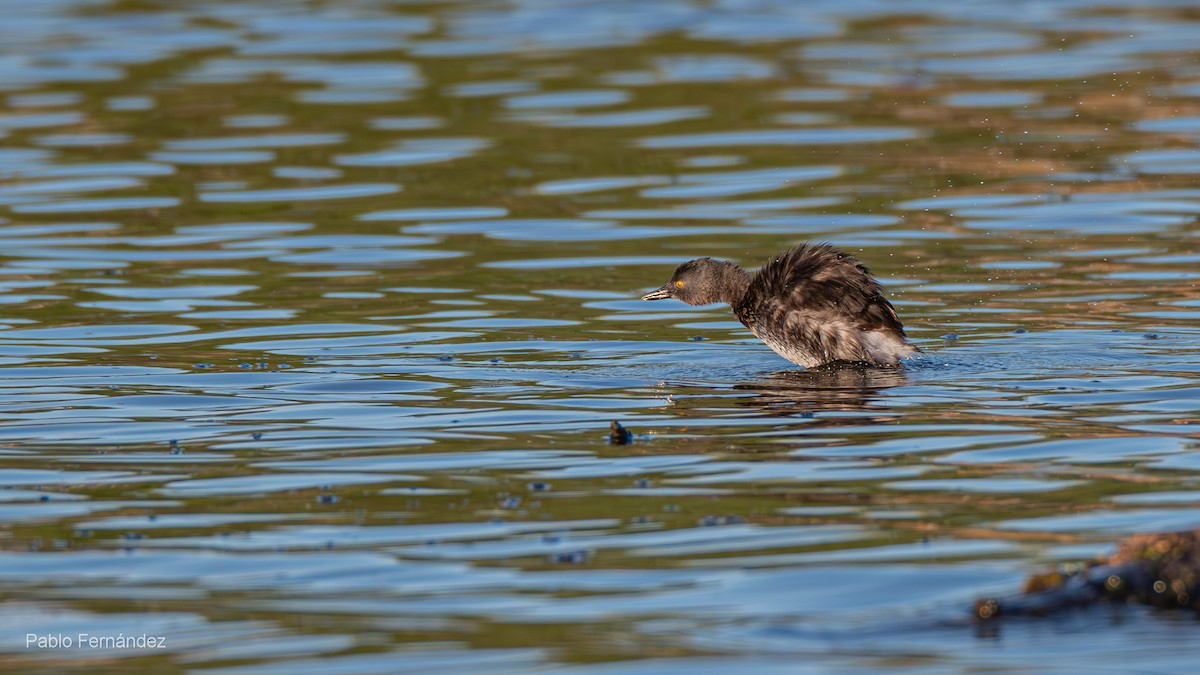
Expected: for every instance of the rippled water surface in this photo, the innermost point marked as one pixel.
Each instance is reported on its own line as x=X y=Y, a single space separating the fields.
x=314 y=316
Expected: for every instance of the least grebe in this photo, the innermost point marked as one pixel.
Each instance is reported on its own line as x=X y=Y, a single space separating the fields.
x=812 y=304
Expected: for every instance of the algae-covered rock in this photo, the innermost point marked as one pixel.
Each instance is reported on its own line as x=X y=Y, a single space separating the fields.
x=1162 y=570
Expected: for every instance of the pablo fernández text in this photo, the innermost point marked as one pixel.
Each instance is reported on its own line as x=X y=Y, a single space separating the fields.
x=89 y=641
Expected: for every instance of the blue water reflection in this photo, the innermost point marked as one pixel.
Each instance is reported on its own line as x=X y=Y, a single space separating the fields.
x=314 y=322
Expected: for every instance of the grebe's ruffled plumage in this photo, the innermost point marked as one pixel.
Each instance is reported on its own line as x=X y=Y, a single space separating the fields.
x=812 y=304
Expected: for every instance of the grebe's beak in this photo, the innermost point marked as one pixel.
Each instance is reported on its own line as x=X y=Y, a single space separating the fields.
x=658 y=293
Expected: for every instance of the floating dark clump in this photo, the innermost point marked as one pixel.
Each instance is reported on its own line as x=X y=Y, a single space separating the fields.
x=569 y=558
x=1161 y=570
x=619 y=435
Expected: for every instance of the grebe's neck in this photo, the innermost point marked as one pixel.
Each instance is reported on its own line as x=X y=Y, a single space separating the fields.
x=732 y=282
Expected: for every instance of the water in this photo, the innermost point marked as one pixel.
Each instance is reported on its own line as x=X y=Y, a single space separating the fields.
x=313 y=319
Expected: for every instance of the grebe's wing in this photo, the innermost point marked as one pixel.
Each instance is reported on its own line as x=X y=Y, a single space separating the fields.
x=818 y=279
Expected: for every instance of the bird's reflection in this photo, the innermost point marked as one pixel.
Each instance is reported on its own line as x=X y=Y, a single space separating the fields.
x=835 y=387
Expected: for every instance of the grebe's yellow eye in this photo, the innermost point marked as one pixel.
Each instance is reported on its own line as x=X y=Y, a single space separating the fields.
x=678 y=284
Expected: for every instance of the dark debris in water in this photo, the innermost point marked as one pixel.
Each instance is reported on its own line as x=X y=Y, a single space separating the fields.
x=619 y=435
x=570 y=557
x=1160 y=570
x=715 y=521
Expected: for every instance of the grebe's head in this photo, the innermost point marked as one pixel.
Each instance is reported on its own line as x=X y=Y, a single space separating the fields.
x=703 y=281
